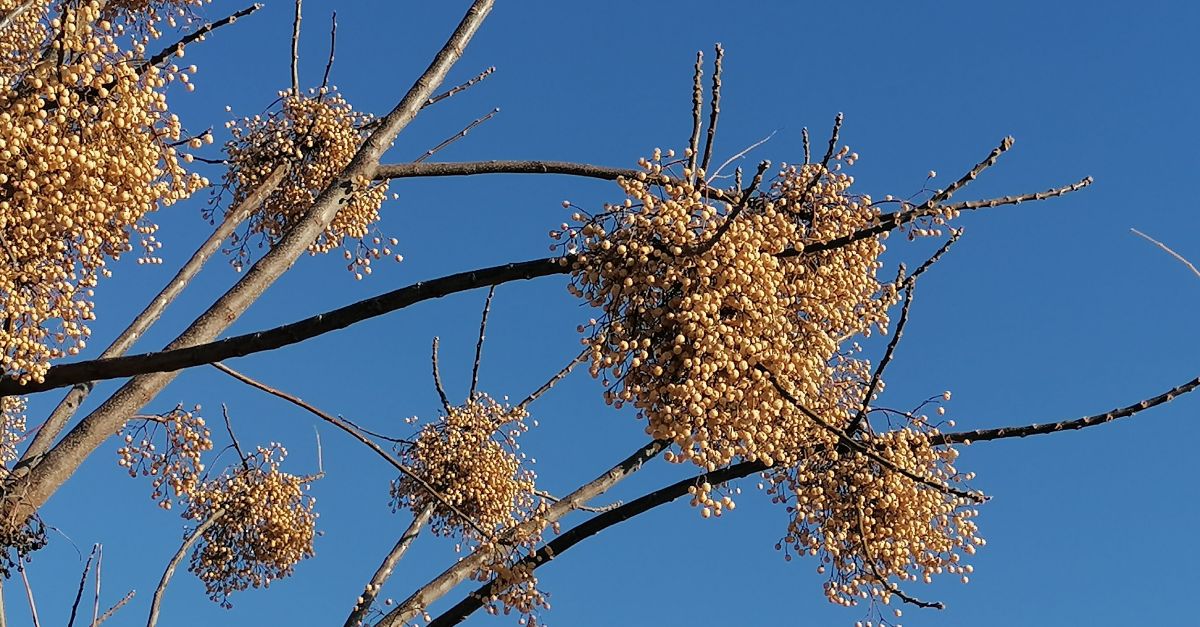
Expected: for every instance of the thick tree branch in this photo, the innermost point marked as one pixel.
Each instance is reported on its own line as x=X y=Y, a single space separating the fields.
x=241 y=345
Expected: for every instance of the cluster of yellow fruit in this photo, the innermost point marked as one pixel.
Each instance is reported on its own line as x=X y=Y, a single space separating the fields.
x=470 y=457
x=315 y=136
x=177 y=465
x=87 y=150
x=12 y=427
x=870 y=524
x=264 y=525
x=21 y=42
x=702 y=304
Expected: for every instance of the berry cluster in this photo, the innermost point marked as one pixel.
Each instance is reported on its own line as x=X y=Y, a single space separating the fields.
x=12 y=427
x=177 y=465
x=266 y=525
x=87 y=151
x=315 y=136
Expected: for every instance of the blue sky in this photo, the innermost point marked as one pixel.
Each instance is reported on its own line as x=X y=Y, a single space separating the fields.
x=1042 y=312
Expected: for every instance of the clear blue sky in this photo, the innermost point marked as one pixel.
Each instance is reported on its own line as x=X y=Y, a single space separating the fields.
x=1043 y=311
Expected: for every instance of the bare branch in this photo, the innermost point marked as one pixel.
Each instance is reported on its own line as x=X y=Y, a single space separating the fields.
x=597 y=509
x=983 y=435
x=344 y=426
x=233 y=438
x=96 y=597
x=87 y=568
x=156 y=599
x=296 y=50
x=29 y=594
x=332 y=49
x=116 y=607
x=197 y=35
x=714 y=107
x=697 y=108
x=1168 y=250
x=454 y=90
x=805 y=140
x=461 y=134
x=487 y=306
x=70 y=403
x=371 y=591
x=437 y=377
x=745 y=151
x=562 y=374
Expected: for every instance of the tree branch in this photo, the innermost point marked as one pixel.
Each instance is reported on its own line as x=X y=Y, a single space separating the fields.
x=156 y=599
x=197 y=35
x=487 y=307
x=371 y=591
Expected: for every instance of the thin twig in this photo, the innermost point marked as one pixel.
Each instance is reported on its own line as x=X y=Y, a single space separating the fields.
x=714 y=107
x=29 y=595
x=437 y=377
x=454 y=90
x=713 y=176
x=233 y=438
x=320 y=454
x=87 y=567
x=332 y=48
x=453 y=138
x=156 y=599
x=116 y=607
x=371 y=591
x=804 y=138
x=197 y=35
x=1168 y=250
x=296 y=50
x=562 y=374
x=983 y=435
x=697 y=108
x=341 y=424
x=487 y=307
x=96 y=598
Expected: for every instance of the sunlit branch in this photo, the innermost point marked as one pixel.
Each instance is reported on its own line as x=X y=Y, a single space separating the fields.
x=371 y=590
x=193 y=537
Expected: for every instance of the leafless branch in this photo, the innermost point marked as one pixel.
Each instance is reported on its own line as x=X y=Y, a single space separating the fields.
x=96 y=579
x=296 y=50
x=371 y=591
x=197 y=35
x=454 y=90
x=233 y=438
x=70 y=403
x=697 y=107
x=487 y=306
x=87 y=568
x=29 y=594
x=745 y=151
x=116 y=607
x=457 y=136
x=805 y=140
x=332 y=49
x=344 y=426
x=437 y=377
x=156 y=599
x=714 y=108
x=562 y=374
x=1168 y=250
x=583 y=508
x=983 y=435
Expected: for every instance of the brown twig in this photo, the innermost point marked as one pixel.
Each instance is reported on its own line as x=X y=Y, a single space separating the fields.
x=296 y=50
x=371 y=591
x=714 y=108
x=197 y=35
x=437 y=377
x=805 y=140
x=156 y=599
x=237 y=447
x=332 y=48
x=341 y=424
x=487 y=307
